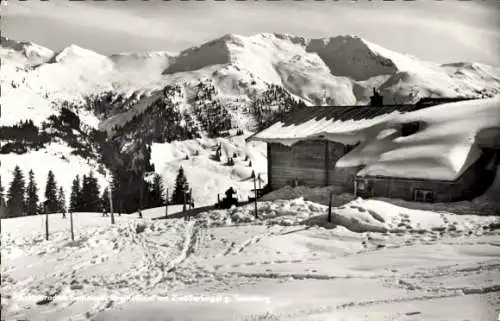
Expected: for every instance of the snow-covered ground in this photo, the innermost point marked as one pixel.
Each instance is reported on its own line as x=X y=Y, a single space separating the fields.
x=375 y=261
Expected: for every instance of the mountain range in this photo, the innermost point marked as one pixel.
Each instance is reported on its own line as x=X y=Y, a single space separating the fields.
x=123 y=95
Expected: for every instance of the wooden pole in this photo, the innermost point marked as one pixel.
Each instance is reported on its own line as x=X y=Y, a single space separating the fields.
x=110 y=194
x=166 y=203
x=47 y=226
x=255 y=200
x=183 y=200
x=142 y=192
x=330 y=207
x=190 y=198
x=71 y=225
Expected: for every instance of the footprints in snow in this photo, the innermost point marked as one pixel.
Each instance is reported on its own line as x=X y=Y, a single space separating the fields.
x=217 y=267
x=233 y=249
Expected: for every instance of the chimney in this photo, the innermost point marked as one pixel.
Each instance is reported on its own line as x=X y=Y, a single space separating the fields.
x=377 y=99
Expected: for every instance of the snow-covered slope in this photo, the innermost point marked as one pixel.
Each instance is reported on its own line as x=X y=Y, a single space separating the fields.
x=56 y=157
x=227 y=265
x=206 y=176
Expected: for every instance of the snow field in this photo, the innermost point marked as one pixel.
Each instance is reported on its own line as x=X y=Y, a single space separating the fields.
x=141 y=268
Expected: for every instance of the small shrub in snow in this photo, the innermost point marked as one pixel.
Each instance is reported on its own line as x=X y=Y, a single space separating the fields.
x=140 y=228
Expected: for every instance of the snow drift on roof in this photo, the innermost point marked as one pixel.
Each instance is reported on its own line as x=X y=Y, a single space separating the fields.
x=449 y=141
x=346 y=124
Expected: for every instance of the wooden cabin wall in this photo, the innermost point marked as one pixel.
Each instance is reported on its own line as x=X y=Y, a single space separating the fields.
x=304 y=161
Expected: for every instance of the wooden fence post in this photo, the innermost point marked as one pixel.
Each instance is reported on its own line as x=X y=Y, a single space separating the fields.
x=111 y=204
x=330 y=207
x=71 y=225
x=184 y=200
x=255 y=192
x=166 y=203
x=47 y=226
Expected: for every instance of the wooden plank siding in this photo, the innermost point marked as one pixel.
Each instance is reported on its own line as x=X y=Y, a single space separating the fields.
x=269 y=162
x=304 y=161
x=311 y=163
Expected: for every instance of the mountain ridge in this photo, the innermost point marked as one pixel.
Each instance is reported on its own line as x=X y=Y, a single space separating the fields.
x=120 y=98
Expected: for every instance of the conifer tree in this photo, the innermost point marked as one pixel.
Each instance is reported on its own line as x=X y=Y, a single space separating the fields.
x=74 y=201
x=15 y=197
x=156 y=194
x=95 y=194
x=3 y=205
x=83 y=196
x=51 y=202
x=181 y=188
x=105 y=200
x=2 y=197
x=31 y=195
x=61 y=200
x=90 y=195
x=40 y=208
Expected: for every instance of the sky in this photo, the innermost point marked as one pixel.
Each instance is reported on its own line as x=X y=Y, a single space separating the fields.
x=439 y=31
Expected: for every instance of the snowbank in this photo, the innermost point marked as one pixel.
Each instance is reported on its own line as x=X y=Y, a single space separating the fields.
x=314 y=194
x=358 y=215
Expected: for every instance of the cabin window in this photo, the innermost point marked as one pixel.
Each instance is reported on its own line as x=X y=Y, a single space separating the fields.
x=363 y=185
x=410 y=128
x=422 y=195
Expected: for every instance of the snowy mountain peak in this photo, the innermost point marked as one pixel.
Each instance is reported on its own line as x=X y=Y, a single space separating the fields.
x=74 y=52
x=24 y=52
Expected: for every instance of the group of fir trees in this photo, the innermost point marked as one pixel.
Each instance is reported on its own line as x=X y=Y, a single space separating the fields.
x=272 y=104
x=85 y=195
x=22 y=199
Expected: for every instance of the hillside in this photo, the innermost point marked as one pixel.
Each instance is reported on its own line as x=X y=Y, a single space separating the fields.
x=111 y=110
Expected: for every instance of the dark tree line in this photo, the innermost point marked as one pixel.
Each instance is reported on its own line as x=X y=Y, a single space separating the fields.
x=22 y=137
x=213 y=117
x=272 y=105
x=22 y=199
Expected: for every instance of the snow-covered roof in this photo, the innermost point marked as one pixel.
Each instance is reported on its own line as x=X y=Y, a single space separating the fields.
x=448 y=141
x=336 y=123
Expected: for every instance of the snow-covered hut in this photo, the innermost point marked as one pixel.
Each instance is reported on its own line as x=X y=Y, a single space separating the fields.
x=441 y=153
